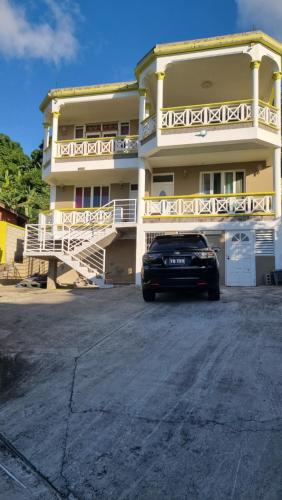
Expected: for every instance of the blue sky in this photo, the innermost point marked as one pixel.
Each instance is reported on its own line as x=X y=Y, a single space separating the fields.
x=46 y=44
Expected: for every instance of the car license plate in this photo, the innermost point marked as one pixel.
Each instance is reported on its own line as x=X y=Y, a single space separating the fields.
x=176 y=261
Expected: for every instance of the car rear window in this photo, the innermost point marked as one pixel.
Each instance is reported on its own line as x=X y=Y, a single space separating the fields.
x=178 y=244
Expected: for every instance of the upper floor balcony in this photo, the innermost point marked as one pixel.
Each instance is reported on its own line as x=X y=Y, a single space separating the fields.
x=209 y=97
x=81 y=130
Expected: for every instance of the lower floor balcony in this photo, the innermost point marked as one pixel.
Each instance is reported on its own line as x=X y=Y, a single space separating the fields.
x=217 y=205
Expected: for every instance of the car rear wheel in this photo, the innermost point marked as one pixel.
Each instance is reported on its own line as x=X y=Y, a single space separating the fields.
x=148 y=296
x=214 y=293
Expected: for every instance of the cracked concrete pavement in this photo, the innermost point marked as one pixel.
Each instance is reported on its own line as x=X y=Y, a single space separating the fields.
x=109 y=397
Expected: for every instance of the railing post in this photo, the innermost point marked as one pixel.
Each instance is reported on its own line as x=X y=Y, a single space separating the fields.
x=205 y=116
x=249 y=204
x=44 y=236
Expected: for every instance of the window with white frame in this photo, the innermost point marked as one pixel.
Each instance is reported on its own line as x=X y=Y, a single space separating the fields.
x=230 y=181
x=91 y=196
x=96 y=130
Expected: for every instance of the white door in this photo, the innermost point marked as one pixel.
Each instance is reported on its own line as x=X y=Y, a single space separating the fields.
x=240 y=259
x=162 y=185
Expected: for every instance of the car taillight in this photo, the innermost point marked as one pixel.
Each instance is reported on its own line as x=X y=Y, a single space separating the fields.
x=152 y=258
x=208 y=254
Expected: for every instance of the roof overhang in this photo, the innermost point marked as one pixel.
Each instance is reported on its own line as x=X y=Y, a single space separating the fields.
x=218 y=42
x=88 y=91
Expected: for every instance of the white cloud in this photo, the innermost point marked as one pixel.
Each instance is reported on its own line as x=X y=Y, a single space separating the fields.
x=263 y=15
x=21 y=38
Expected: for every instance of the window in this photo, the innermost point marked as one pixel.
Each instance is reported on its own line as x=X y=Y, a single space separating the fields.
x=101 y=195
x=163 y=178
x=238 y=237
x=110 y=129
x=96 y=196
x=87 y=197
x=96 y=130
x=78 y=197
x=79 y=132
x=124 y=128
x=93 y=131
x=222 y=182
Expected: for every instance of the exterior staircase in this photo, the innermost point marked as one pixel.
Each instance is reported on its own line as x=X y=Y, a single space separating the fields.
x=78 y=238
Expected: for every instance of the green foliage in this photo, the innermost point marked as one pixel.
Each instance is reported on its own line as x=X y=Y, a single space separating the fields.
x=21 y=186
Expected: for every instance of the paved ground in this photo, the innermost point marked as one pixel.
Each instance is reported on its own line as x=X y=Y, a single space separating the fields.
x=104 y=396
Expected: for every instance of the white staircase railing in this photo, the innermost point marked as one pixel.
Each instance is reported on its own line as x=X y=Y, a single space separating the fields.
x=73 y=236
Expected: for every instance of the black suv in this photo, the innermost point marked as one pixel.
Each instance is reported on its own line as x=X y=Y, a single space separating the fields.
x=180 y=262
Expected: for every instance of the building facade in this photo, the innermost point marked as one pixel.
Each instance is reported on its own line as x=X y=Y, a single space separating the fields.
x=194 y=144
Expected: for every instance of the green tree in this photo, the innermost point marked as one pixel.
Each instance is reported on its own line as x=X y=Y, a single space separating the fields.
x=21 y=185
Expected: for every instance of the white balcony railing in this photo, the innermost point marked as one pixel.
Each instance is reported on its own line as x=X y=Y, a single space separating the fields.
x=210 y=205
x=97 y=147
x=149 y=126
x=218 y=114
x=116 y=211
x=208 y=114
x=268 y=115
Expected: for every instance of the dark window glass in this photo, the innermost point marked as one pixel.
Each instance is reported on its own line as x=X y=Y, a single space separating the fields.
x=217 y=183
x=78 y=132
x=105 y=195
x=163 y=178
x=239 y=182
x=177 y=244
x=110 y=126
x=87 y=197
x=96 y=127
x=96 y=196
x=134 y=187
x=124 y=128
x=206 y=183
x=109 y=134
x=78 y=197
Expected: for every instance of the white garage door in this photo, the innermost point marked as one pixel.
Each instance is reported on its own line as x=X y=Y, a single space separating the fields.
x=240 y=259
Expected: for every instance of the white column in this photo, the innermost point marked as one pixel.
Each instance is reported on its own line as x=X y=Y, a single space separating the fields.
x=142 y=110
x=55 y=126
x=277 y=94
x=52 y=197
x=147 y=109
x=141 y=190
x=160 y=97
x=46 y=126
x=276 y=166
x=255 y=90
x=140 y=250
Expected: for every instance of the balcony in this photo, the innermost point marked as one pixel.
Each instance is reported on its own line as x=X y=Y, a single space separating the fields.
x=110 y=146
x=120 y=212
x=218 y=205
x=214 y=114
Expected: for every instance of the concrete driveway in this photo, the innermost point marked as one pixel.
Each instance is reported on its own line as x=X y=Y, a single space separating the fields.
x=104 y=396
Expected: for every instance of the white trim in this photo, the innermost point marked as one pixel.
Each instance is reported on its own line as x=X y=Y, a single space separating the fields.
x=222 y=178
x=161 y=174
x=91 y=194
x=101 y=133
x=52 y=197
x=252 y=272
